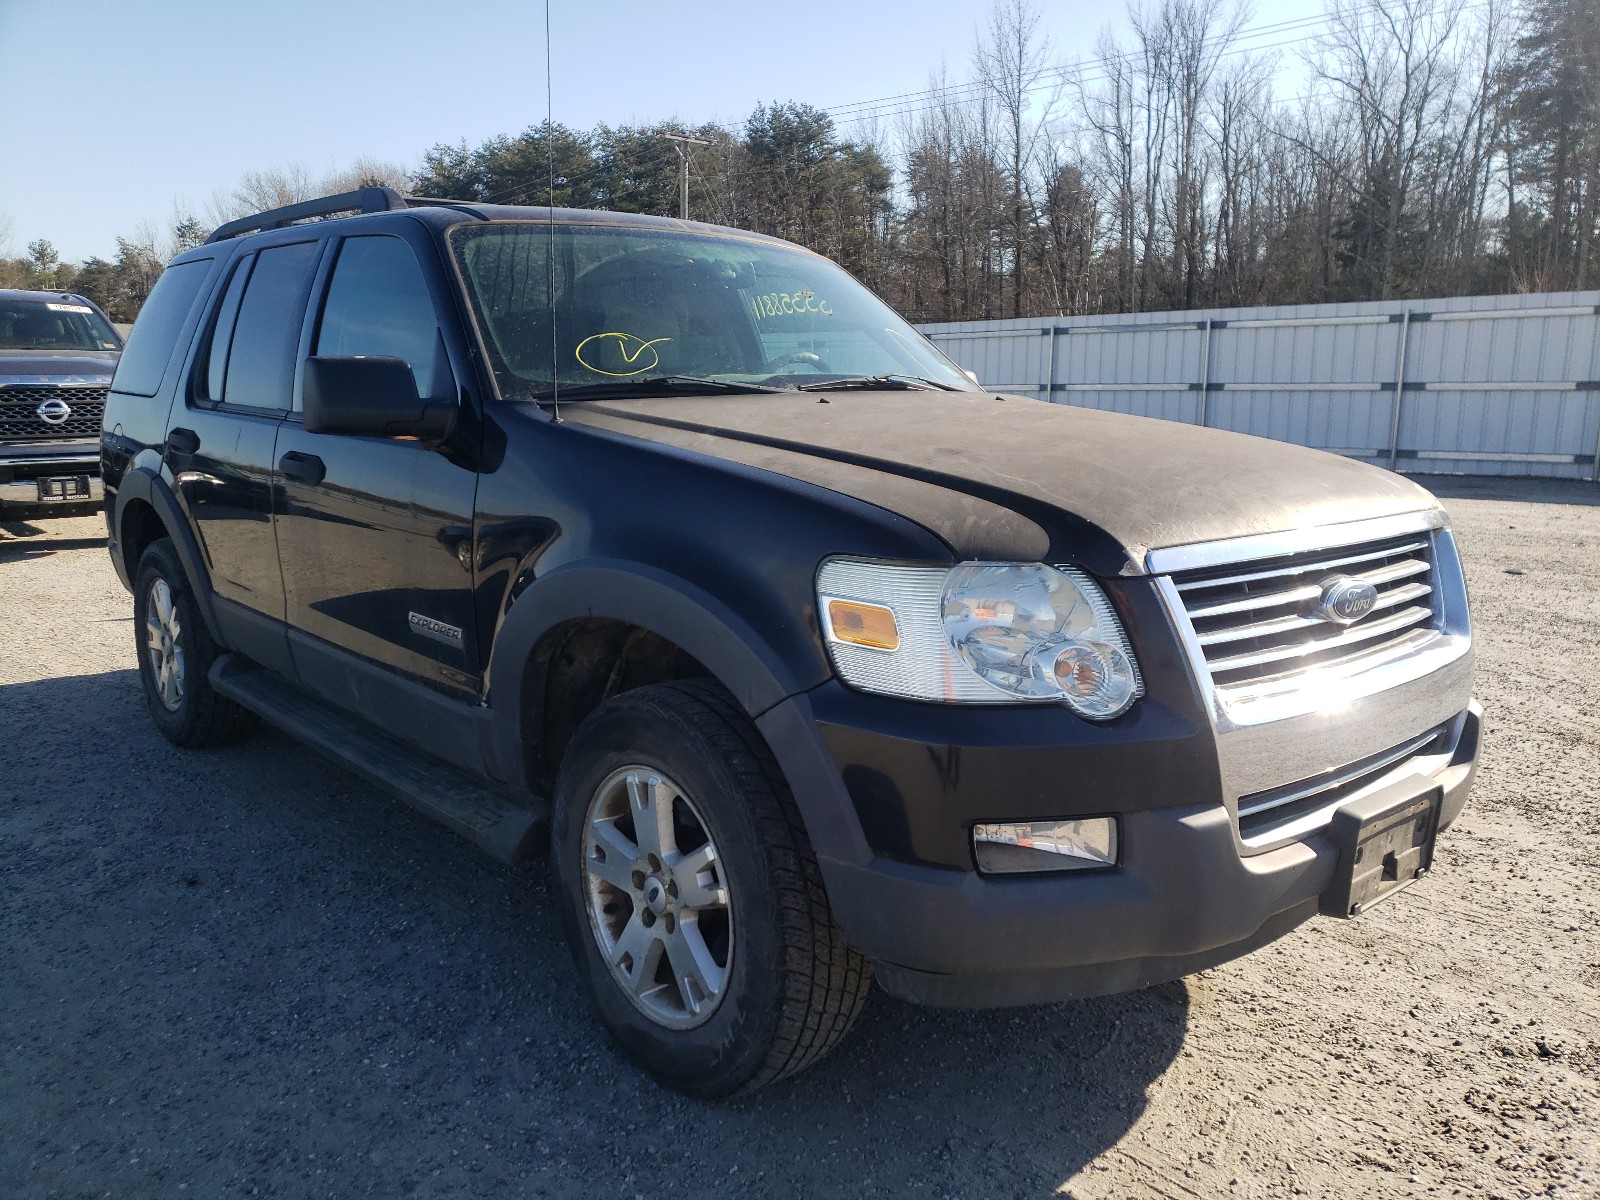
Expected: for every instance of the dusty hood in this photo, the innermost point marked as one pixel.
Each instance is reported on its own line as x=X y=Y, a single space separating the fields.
x=1013 y=478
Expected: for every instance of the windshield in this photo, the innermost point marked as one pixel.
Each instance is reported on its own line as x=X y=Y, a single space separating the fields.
x=53 y=325
x=635 y=305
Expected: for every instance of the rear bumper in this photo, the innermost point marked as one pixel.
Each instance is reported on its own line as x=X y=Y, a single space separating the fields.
x=1183 y=898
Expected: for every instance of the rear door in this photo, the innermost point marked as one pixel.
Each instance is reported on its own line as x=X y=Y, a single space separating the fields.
x=221 y=446
x=375 y=534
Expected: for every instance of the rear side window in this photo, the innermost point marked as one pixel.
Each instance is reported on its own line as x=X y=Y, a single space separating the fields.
x=155 y=333
x=378 y=304
x=266 y=332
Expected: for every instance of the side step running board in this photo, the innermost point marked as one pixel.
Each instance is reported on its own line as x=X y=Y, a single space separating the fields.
x=485 y=815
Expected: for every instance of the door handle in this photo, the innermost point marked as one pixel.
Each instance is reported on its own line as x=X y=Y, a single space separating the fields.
x=183 y=441
x=302 y=468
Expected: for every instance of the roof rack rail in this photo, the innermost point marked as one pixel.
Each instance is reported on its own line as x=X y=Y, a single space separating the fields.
x=363 y=200
x=466 y=206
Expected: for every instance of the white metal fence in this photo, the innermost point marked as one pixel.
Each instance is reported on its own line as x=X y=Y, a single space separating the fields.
x=1494 y=385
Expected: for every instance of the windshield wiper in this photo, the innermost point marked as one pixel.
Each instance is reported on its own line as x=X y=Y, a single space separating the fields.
x=653 y=385
x=912 y=383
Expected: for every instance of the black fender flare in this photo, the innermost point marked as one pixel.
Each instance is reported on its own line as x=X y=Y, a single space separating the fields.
x=142 y=483
x=687 y=616
x=706 y=628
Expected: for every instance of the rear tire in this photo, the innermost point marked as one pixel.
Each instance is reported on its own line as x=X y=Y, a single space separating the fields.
x=175 y=655
x=703 y=935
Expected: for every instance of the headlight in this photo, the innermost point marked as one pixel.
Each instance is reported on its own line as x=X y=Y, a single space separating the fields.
x=978 y=633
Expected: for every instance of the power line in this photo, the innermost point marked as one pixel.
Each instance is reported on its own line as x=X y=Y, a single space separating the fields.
x=1083 y=73
x=971 y=90
x=852 y=110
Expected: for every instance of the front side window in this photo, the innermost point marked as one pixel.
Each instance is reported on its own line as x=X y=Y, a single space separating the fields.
x=378 y=304
x=592 y=305
x=54 y=323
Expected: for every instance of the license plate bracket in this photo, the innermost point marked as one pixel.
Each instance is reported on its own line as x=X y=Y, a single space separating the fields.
x=1385 y=843
x=53 y=489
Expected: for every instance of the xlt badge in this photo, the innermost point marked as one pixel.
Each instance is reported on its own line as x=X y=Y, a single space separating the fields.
x=437 y=630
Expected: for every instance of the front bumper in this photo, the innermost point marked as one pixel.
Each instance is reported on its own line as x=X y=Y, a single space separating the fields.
x=1186 y=895
x=23 y=465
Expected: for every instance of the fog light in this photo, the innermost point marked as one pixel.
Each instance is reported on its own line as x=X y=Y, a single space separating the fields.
x=1030 y=846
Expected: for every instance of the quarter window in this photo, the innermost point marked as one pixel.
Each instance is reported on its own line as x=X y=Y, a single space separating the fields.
x=144 y=362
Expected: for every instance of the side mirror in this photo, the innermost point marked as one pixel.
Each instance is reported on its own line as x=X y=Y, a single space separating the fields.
x=371 y=396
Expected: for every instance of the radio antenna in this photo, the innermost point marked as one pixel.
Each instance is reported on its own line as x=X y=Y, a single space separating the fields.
x=550 y=159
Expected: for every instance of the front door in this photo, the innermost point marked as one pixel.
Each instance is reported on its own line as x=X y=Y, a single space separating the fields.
x=375 y=534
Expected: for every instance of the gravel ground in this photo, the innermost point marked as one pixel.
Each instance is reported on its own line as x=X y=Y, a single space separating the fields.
x=244 y=972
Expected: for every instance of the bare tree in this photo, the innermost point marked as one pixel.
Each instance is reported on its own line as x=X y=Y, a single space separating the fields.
x=1388 y=65
x=1196 y=34
x=365 y=172
x=1012 y=60
x=273 y=187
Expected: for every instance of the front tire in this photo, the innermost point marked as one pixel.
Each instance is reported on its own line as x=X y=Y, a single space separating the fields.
x=175 y=655
x=692 y=901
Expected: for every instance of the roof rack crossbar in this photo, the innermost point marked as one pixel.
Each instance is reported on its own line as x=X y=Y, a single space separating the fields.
x=362 y=200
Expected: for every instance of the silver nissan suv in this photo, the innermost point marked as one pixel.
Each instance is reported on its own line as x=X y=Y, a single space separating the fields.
x=57 y=354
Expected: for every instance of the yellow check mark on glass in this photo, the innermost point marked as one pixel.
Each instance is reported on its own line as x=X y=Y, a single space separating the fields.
x=623 y=340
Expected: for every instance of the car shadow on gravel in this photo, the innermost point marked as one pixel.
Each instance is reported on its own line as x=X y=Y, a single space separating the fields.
x=21 y=538
x=245 y=969
x=16 y=549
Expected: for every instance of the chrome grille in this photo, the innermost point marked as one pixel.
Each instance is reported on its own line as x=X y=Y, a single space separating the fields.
x=1255 y=622
x=20 y=420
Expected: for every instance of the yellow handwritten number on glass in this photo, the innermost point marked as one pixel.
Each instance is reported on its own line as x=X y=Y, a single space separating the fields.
x=631 y=349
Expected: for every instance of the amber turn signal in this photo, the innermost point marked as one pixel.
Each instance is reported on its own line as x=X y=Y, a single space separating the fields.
x=863 y=624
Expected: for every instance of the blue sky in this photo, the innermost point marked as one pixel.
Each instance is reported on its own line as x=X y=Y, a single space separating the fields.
x=111 y=111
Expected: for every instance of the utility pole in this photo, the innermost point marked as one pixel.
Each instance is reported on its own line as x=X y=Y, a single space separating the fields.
x=682 y=142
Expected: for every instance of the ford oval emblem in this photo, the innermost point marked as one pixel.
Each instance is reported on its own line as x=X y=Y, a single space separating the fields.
x=53 y=411
x=1345 y=601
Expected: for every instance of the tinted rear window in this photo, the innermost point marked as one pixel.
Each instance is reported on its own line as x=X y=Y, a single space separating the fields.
x=155 y=333
x=261 y=359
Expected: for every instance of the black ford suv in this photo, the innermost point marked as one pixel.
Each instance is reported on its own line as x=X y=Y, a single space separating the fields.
x=672 y=549
x=57 y=353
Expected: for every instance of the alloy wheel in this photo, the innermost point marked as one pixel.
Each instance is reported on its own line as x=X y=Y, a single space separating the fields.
x=164 y=644
x=657 y=897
